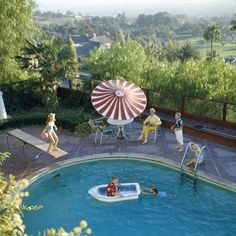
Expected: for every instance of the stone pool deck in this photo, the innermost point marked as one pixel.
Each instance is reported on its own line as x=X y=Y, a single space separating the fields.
x=221 y=160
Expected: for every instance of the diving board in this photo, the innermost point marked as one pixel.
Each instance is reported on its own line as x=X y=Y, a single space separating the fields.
x=34 y=142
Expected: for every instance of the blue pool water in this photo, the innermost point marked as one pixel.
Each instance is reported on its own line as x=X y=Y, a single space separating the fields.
x=208 y=210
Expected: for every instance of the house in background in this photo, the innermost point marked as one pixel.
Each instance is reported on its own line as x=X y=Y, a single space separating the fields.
x=229 y=60
x=104 y=41
x=83 y=45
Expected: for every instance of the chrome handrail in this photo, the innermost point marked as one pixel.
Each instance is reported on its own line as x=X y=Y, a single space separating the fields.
x=185 y=152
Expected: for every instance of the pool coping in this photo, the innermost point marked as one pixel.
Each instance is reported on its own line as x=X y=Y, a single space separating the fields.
x=133 y=156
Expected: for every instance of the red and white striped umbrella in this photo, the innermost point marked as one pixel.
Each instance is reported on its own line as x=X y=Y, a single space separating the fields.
x=119 y=99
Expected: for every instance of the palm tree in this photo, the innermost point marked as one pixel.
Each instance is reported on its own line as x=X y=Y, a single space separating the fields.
x=213 y=34
x=52 y=60
x=233 y=24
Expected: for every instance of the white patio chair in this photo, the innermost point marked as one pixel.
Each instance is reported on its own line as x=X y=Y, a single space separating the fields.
x=100 y=129
x=103 y=130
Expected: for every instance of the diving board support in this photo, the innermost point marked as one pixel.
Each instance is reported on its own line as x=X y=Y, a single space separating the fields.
x=34 y=142
x=38 y=155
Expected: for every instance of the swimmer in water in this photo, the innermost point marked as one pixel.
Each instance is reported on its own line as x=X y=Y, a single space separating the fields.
x=153 y=191
x=150 y=191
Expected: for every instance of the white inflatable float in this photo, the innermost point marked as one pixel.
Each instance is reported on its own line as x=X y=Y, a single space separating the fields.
x=126 y=191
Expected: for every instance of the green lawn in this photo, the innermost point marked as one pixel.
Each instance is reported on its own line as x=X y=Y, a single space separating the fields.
x=225 y=50
x=53 y=20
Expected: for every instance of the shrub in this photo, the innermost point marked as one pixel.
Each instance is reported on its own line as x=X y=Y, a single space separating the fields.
x=77 y=99
x=22 y=95
x=12 y=193
x=82 y=129
x=65 y=118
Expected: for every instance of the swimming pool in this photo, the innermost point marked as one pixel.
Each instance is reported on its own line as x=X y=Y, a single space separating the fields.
x=208 y=210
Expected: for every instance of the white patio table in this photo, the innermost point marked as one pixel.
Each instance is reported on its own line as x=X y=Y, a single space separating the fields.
x=120 y=125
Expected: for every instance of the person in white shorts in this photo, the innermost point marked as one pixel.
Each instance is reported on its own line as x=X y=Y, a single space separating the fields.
x=178 y=129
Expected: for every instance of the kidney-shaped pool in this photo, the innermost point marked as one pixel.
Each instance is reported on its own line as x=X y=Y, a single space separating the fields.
x=207 y=210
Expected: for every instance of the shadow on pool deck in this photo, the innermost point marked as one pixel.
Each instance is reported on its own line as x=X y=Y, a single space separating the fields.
x=221 y=160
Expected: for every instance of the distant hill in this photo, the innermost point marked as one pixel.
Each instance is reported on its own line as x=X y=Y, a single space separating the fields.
x=134 y=7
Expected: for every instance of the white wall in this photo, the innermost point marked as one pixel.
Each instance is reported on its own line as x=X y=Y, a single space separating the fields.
x=3 y=113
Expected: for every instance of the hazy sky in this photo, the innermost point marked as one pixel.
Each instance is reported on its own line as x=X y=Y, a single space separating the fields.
x=135 y=7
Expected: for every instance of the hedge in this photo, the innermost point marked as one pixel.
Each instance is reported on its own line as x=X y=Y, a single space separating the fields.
x=67 y=119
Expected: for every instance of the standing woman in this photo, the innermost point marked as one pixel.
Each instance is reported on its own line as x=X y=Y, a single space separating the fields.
x=50 y=129
x=178 y=129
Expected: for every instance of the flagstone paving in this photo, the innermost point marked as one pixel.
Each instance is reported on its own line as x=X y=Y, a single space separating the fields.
x=221 y=160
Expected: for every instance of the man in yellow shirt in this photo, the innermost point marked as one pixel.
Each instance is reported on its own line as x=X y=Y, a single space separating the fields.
x=150 y=124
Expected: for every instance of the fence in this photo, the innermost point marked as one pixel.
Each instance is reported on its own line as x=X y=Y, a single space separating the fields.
x=212 y=111
x=218 y=112
x=25 y=94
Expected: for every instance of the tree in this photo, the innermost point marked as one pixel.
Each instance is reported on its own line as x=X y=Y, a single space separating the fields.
x=120 y=37
x=186 y=52
x=15 y=26
x=52 y=60
x=171 y=51
x=153 y=51
x=70 y=61
x=211 y=79
x=233 y=24
x=213 y=34
x=69 y=13
x=127 y=60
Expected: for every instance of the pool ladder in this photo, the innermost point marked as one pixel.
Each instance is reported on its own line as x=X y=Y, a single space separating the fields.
x=187 y=173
